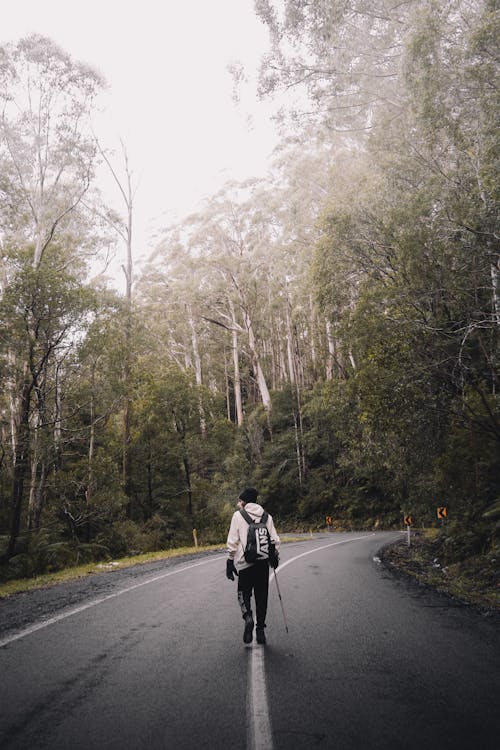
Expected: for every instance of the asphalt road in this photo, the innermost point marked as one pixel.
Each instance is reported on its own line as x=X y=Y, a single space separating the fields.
x=370 y=662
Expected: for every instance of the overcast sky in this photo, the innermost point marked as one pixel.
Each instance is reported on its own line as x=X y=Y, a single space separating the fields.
x=170 y=94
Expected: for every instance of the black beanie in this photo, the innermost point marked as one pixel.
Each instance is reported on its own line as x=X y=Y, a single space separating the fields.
x=249 y=495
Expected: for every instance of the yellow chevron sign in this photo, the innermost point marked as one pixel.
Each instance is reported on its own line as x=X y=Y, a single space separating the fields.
x=441 y=512
x=408 y=520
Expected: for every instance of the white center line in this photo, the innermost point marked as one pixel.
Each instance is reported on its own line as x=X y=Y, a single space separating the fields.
x=259 y=731
x=75 y=610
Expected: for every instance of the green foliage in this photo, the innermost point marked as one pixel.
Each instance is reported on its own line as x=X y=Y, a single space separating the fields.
x=42 y=552
x=132 y=538
x=375 y=327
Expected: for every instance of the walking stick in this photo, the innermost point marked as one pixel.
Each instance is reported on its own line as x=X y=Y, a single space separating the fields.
x=281 y=600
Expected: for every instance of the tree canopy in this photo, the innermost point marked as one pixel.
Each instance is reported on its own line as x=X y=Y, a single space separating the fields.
x=329 y=333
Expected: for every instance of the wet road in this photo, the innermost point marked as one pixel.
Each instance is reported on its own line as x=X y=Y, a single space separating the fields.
x=159 y=662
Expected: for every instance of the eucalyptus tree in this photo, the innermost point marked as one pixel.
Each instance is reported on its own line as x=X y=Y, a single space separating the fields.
x=171 y=294
x=88 y=490
x=446 y=156
x=458 y=145
x=178 y=400
x=227 y=244
x=42 y=313
x=47 y=154
x=341 y=58
x=45 y=137
x=407 y=266
x=123 y=226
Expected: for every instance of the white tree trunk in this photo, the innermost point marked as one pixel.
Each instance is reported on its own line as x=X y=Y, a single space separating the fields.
x=289 y=347
x=298 y=449
x=90 y=459
x=236 y=367
x=312 y=332
x=197 y=368
x=35 y=460
x=58 y=410
x=495 y=285
x=237 y=380
x=259 y=373
x=330 y=360
x=226 y=378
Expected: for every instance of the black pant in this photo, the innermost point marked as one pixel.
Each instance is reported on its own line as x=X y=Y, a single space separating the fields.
x=256 y=579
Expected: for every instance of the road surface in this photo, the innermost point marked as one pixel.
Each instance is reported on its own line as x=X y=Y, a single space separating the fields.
x=157 y=661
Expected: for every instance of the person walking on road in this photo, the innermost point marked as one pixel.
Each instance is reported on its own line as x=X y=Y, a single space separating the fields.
x=252 y=545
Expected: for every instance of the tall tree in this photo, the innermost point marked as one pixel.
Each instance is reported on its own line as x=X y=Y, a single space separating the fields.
x=124 y=227
x=41 y=311
x=343 y=59
x=48 y=155
x=45 y=136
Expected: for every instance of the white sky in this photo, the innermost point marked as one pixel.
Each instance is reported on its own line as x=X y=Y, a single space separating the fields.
x=170 y=94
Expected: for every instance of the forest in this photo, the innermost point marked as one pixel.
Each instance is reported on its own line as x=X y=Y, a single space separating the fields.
x=328 y=334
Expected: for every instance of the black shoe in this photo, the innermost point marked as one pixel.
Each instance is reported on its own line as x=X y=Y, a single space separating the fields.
x=261 y=636
x=248 y=632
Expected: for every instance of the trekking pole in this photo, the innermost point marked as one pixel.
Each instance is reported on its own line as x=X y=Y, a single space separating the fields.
x=281 y=600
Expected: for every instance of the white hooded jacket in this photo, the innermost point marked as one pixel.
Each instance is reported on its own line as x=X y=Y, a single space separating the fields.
x=237 y=536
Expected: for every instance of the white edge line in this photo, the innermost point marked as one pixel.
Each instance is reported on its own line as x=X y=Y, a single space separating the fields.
x=76 y=610
x=317 y=549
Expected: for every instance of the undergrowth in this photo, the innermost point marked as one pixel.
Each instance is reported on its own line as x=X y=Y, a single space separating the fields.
x=473 y=578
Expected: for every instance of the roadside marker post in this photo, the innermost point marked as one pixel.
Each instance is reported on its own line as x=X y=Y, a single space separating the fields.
x=408 y=521
x=442 y=514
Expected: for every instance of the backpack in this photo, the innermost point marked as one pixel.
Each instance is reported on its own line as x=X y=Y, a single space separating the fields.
x=259 y=546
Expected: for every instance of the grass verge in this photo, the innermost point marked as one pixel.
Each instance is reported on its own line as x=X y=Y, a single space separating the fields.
x=474 y=580
x=19 y=585
x=70 y=574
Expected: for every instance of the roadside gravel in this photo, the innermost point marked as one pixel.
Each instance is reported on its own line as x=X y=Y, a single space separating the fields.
x=474 y=583
x=23 y=609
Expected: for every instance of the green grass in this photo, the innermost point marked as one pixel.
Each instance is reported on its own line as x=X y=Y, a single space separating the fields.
x=71 y=574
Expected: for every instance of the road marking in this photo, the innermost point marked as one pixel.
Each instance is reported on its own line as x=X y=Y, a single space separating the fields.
x=317 y=549
x=259 y=731
x=76 y=610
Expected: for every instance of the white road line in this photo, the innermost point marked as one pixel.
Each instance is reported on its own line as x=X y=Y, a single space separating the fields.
x=259 y=731
x=75 y=610
x=317 y=549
